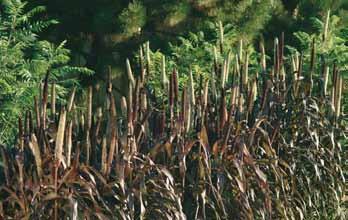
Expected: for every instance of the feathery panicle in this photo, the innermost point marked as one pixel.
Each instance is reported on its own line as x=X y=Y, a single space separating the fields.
x=109 y=82
x=294 y=67
x=71 y=100
x=141 y=59
x=337 y=93
x=275 y=54
x=35 y=149
x=124 y=106
x=165 y=81
x=223 y=110
x=326 y=26
x=53 y=100
x=37 y=111
x=175 y=86
x=192 y=90
x=215 y=56
x=205 y=94
x=143 y=101
x=246 y=70
x=240 y=51
x=103 y=160
x=237 y=67
x=89 y=107
x=68 y=140
x=213 y=86
x=44 y=100
x=326 y=79
x=223 y=74
x=221 y=37
x=252 y=96
x=20 y=134
x=229 y=58
x=130 y=74
x=148 y=59
x=60 y=137
x=263 y=56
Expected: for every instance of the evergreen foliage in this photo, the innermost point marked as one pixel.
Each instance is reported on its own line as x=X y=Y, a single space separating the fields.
x=97 y=29
x=25 y=61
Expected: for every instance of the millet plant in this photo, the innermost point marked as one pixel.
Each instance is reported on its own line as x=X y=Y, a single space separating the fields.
x=228 y=145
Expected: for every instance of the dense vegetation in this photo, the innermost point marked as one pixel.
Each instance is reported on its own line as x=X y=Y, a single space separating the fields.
x=25 y=63
x=269 y=145
x=220 y=123
x=106 y=32
x=102 y=35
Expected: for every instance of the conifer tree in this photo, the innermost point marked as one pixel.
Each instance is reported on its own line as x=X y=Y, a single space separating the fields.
x=105 y=32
